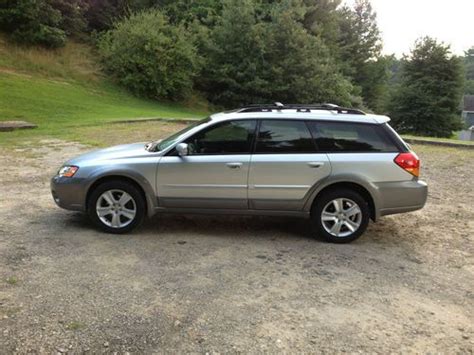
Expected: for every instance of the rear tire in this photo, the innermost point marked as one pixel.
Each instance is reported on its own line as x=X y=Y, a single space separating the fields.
x=116 y=207
x=340 y=215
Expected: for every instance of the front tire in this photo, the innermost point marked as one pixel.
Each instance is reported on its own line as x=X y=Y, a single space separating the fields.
x=340 y=215
x=116 y=207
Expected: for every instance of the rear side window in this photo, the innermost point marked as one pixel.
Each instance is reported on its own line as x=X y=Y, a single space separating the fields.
x=281 y=136
x=351 y=137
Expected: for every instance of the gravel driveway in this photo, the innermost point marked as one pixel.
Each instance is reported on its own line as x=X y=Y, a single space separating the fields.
x=233 y=284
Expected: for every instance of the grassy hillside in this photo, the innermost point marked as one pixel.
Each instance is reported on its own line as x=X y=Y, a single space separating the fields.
x=63 y=90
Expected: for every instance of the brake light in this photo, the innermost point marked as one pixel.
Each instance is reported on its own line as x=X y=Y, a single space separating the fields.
x=408 y=162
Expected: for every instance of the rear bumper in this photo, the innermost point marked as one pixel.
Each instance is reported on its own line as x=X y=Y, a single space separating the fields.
x=402 y=196
x=68 y=193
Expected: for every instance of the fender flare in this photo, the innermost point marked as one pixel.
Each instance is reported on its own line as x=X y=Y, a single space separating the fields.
x=357 y=179
x=123 y=172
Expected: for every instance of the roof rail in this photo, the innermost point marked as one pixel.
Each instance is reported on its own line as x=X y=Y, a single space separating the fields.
x=278 y=106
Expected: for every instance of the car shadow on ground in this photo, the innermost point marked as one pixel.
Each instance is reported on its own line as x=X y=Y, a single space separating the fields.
x=251 y=227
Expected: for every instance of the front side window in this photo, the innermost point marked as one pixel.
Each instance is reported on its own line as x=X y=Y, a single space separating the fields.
x=282 y=137
x=165 y=143
x=351 y=137
x=234 y=137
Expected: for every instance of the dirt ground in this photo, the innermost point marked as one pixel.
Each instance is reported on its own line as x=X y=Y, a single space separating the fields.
x=233 y=284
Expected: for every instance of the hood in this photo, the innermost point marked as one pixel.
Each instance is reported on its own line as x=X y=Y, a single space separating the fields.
x=135 y=150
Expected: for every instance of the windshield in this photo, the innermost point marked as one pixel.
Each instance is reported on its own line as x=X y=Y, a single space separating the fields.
x=165 y=143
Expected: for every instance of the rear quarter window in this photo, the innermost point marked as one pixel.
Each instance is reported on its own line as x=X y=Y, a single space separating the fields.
x=351 y=137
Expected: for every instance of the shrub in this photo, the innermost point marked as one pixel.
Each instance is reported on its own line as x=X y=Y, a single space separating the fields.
x=150 y=57
x=32 y=22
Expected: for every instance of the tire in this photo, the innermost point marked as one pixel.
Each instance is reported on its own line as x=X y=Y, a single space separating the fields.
x=355 y=212
x=116 y=201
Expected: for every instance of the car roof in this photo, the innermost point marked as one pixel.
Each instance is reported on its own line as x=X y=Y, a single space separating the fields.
x=323 y=115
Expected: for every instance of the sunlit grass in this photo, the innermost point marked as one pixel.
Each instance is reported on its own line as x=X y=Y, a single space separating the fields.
x=62 y=91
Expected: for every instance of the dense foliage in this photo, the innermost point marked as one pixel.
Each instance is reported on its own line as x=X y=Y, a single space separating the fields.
x=150 y=57
x=32 y=22
x=469 y=65
x=235 y=52
x=427 y=101
x=254 y=60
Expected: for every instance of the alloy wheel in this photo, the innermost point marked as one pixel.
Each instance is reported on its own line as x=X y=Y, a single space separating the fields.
x=116 y=208
x=341 y=217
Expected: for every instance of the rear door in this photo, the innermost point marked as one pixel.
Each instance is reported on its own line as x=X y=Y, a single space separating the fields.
x=284 y=166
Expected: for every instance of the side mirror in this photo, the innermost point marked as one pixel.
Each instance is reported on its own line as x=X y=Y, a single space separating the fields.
x=182 y=149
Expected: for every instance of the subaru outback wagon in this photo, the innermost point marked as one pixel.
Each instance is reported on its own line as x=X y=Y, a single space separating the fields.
x=337 y=166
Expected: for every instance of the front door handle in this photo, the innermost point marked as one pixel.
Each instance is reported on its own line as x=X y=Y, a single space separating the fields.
x=315 y=164
x=234 y=165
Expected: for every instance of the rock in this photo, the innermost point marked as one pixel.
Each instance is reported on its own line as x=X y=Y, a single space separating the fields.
x=7 y=126
x=106 y=344
x=61 y=350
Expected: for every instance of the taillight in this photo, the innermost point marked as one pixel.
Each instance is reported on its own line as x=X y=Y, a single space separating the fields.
x=408 y=162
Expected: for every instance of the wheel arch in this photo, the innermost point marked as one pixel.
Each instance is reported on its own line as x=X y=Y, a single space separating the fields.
x=144 y=190
x=356 y=186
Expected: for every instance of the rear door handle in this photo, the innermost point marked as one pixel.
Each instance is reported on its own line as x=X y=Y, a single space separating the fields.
x=234 y=165
x=315 y=164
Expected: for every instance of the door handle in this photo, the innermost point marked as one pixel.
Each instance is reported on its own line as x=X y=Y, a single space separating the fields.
x=234 y=165
x=315 y=164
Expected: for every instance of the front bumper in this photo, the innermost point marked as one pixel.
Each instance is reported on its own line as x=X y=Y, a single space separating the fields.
x=402 y=196
x=69 y=193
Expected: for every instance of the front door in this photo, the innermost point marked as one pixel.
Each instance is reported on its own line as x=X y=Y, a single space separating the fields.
x=214 y=173
x=285 y=166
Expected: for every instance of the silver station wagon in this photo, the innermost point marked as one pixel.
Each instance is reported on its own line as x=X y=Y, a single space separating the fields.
x=338 y=167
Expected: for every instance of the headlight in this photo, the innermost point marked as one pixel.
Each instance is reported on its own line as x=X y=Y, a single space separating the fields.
x=68 y=171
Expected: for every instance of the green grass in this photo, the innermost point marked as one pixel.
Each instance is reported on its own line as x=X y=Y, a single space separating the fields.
x=12 y=280
x=63 y=90
x=74 y=325
x=433 y=139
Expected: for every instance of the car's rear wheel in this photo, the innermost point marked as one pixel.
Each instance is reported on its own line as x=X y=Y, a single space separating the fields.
x=116 y=206
x=340 y=215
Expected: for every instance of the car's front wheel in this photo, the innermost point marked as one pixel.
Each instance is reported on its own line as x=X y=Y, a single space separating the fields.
x=116 y=206
x=340 y=216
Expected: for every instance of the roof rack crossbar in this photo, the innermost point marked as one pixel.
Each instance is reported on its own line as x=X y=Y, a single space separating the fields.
x=299 y=108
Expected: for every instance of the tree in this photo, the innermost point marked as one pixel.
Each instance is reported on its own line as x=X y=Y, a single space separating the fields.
x=150 y=57
x=235 y=67
x=101 y=14
x=264 y=54
x=322 y=19
x=32 y=22
x=469 y=66
x=72 y=12
x=359 y=50
x=302 y=69
x=428 y=98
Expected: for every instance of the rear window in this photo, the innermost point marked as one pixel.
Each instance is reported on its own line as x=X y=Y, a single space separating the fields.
x=351 y=137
